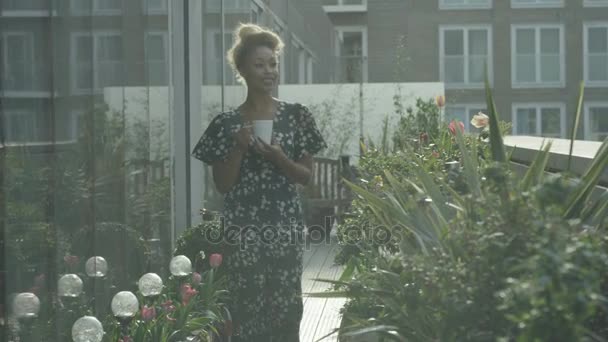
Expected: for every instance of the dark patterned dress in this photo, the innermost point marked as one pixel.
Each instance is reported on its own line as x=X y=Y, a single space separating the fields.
x=264 y=209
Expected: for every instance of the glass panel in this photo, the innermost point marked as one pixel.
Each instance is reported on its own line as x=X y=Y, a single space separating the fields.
x=477 y=69
x=456 y=113
x=598 y=120
x=454 y=69
x=526 y=68
x=550 y=68
x=453 y=42
x=598 y=67
x=549 y=41
x=597 y=40
x=526 y=121
x=478 y=42
x=551 y=122
x=86 y=172
x=525 y=41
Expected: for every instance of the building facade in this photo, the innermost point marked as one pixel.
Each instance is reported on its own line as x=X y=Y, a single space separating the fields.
x=536 y=52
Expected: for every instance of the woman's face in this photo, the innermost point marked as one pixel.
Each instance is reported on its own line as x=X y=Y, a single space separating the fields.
x=261 y=69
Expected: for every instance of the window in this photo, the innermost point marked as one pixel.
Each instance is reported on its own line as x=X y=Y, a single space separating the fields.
x=215 y=56
x=279 y=29
x=596 y=54
x=344 y=5
x=465 y=4
x=20 y=127
x=536 y=3
x=157 y=58
x=104 y=7
x=294 y=60
x=18 y=59
x=537 y=56
x=309 y=69
x=464 y=54
x=596 y=121
x=302 y=65
x=256 y=12
x=97 y=60
x=595 y=3
x=547 y=120
x=230 y=6
x=351 y=51
x=463 y=113
x=155 y=6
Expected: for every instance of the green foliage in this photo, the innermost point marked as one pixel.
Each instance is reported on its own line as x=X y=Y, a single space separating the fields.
x=425 y=118
x=503 y=257
x=205 y=237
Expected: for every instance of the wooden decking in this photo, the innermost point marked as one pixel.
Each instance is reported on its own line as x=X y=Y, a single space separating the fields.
x=321 y=315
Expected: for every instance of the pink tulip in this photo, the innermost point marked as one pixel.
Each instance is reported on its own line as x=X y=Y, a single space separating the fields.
x=168 y=306
x=196 y=278
x=440 y=100
x=453 y=125
x=148 y=313
x=71 y=260
x=215 y=260
x=187 y=293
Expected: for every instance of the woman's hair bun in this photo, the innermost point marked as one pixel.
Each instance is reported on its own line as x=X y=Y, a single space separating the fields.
x=246 y=30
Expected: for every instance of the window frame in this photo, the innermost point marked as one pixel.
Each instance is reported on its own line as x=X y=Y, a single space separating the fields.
x=94 y=9
x=155 y=11
x=342 y=8
x=537 y=4
x=586 y=27
x=466 y=28
x=562 y=54
x=444 y=6
x=590 y=3
x=586 y=118
x=28 y=38
x=538 y=106
x=340 y=30
x=165 y=38
x=94 y=35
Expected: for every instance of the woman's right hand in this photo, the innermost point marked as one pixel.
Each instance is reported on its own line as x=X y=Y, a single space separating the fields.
x=243 y=138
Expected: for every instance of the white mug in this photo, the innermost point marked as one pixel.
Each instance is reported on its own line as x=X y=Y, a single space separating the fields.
x=263 y=129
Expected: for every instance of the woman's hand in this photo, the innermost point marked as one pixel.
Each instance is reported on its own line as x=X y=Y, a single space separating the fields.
x=243 y=137
x=273 y=153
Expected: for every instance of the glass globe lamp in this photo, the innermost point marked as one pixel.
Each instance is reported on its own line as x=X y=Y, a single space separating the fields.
x=26 y=305
x=150 y=284
x=180 y=266
x=87 y=329
x=70 y=285
x=125 y=304
x=96 y=267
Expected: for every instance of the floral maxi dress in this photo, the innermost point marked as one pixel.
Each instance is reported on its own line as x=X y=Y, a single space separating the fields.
x=263 y=208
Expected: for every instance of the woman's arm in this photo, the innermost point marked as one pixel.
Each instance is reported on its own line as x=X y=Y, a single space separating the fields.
x=299 y=171
x=226 y=173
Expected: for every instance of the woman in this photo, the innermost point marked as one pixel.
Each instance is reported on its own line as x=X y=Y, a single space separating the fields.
x=258 y=181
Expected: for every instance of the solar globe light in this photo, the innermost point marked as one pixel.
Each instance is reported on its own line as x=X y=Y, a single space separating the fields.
x=96 y=267
x=150 y=285
x=26 y=305
x=124 y=307
x=180 y=266
x=87 y=329
x=70 y=285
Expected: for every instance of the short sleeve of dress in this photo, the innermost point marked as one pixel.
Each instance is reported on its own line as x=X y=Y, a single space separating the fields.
x=308 y=138
x=215 y=144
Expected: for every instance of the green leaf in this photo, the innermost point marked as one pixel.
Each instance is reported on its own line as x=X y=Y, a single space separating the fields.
x=577 y=201
x=577 y=120
x=496 y=144
x=470 y=164
x=535 y=173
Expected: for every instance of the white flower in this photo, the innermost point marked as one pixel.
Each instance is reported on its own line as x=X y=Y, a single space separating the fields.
x=480 y=120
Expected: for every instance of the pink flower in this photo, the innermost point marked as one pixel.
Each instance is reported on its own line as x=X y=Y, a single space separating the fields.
x=480 y=120
x=435 y=154
x=148 y=313
x=424 y=138
x=187 y=293
x=71 y=260
x=440 y=100
x=215 y=260
x=168 y=306
x=196 y=278
x=453 y=125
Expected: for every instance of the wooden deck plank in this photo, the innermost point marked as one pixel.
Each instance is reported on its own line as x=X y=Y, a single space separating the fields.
x=321 y=315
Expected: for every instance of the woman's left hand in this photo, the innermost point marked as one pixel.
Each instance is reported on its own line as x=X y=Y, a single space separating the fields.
x=272 y=153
